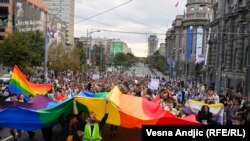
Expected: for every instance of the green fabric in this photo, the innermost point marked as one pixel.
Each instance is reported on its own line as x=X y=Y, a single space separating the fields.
x=101 y=95
x=17 y=85
x=50 y=115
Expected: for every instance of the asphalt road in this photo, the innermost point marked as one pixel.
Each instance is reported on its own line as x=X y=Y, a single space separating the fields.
x=123 y=134
x=140 y=70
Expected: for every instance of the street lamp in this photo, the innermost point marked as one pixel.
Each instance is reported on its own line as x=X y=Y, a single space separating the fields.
x=46 y=49
x=89 y=39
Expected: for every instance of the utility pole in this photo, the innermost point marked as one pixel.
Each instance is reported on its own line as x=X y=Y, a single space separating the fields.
x=86 y=55
x=221 y=49
x=247 y=85
x=46 y=49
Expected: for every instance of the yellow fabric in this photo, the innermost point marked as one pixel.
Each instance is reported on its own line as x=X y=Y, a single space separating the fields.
x=69 y=138
x=97 y=105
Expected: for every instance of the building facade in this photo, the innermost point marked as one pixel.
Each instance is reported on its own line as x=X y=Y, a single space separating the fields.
x=173 y=40
x=162 y=49
x=104 y=42
x=186 y=40
x=232 y=18
x=117 y=46
x=22 y=15
x=64 y=9
x=152 y=44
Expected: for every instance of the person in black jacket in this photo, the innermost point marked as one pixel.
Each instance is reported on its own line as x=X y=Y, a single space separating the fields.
x=204 y=115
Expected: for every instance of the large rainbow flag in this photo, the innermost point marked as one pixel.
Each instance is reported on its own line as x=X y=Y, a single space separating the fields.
x=20 y=85
x=131 y=111
x=124 y=110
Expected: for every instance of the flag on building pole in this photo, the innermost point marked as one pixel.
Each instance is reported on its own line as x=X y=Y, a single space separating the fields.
x=200 y=58
x=177 y=3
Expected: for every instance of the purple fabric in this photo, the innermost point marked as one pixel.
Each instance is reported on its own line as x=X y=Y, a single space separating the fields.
x=38 y=102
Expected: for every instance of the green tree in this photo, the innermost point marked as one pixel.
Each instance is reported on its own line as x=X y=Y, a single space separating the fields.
x=120 y=59
x=157 y=61
x=56 y=58
x=62 y=59
x=82 y=54
x=25 y=49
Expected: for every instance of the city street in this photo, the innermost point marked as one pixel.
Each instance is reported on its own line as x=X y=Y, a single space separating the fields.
x=141 y=70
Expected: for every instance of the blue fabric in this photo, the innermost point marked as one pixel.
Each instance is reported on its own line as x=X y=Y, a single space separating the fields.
x=18 y=119
x=14 y=90
x=189 y=43
x=86 y=94
x=171 y=64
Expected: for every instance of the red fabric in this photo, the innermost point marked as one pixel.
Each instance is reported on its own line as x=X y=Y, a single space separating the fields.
x=60 y=97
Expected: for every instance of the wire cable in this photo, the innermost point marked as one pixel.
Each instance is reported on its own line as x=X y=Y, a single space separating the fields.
x=104 y=12
x=149 y=33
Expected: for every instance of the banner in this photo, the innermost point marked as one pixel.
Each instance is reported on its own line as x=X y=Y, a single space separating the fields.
x=27 y=17
x=56 y=31
x=95 y=76
x=207 y=49
x=154 y=84
x=199 y=41
x=183 y=44
x=189 y=43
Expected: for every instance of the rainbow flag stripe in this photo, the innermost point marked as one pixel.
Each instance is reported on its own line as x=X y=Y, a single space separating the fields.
x=20 y=85
x=130 y=111
x=124 y=110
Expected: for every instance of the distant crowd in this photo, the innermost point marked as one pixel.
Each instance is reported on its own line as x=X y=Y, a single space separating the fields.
x=172 y=96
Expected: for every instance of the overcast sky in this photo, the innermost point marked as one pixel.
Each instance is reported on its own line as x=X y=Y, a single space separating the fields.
x=142 y=16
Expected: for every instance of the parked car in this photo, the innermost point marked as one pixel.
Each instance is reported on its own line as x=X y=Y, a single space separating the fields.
x=5 y=78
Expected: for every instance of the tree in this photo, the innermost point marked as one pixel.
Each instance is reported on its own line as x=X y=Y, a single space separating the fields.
x=157 y=61
x=131 y=58
x=79 y=47
x=56 y=58
x=25 y=49
x=120 y=59
x=61 y=59
x=98 y=57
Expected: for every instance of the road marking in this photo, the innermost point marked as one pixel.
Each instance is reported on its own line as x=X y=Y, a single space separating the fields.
x=9 y=137
x=5 y=139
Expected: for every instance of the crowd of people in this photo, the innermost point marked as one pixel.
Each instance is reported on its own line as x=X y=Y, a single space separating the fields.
x=173 y=97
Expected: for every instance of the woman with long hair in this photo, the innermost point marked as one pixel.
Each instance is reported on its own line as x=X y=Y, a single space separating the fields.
x=204 y=115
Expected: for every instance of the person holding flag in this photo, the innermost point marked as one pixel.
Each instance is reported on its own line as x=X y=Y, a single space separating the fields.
x=92 y=129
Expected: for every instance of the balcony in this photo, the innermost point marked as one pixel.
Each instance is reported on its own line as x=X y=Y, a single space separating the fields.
x=189 y=2
x=196 y=15
x=4 y=3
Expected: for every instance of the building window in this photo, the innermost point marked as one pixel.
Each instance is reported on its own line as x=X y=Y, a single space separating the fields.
x=192 y=9
x=235 y=58
x=201 y=8
x=228 y=83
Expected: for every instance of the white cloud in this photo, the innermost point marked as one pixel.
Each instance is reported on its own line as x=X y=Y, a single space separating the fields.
x=144 y=16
